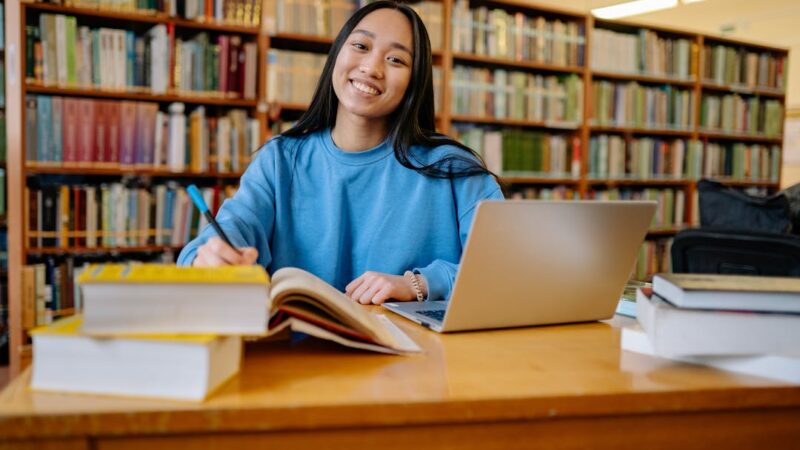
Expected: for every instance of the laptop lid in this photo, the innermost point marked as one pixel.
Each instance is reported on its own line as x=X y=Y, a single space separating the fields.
x=530 y=262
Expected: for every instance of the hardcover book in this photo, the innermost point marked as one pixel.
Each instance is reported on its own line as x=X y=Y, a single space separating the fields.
x=730 y=292
x=185 y=367
x=232 y=300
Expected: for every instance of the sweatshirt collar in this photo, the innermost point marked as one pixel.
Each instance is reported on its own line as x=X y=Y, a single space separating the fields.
x=369 y=156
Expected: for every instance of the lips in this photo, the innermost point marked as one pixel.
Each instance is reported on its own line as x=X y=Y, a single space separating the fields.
x=366 y=87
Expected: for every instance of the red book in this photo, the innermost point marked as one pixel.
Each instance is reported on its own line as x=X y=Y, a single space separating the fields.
x=70 y=131
x=113 y=110
x=100 y=133
x=233 y=63
x=86 y=151
x=223 y=63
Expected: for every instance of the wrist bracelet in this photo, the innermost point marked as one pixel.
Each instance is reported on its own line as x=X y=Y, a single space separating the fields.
x=415 y=284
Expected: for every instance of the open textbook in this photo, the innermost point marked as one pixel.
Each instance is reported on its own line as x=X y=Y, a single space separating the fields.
x=232 y=300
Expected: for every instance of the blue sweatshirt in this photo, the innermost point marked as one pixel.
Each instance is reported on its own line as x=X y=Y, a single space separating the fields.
x=303 y=202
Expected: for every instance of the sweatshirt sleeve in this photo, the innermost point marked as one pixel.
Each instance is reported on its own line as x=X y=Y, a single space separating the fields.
x=248 y=217
x=441 y=274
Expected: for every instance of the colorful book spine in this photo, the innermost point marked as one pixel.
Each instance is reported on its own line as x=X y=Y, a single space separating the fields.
x=639 y=106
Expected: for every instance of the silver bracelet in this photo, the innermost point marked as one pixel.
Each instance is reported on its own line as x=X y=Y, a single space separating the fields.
x=415 y=284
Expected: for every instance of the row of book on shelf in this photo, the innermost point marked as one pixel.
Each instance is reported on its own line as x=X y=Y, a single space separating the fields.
x=732 y=113
x=745 y=324
x=631 y=104
x=59 y=52
x=115 y=215
x=742 y=67
x=80 y=132
x=513 y=152
x=239 y=12
x=504 y=94
x=517 y=36
x=644 y=52
x=617 y=157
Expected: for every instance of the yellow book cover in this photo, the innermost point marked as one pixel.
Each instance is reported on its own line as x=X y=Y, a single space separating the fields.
x=170 y=273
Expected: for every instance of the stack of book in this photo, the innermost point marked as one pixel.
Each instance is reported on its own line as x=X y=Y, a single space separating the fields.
x=745 y=324
x=155 y=330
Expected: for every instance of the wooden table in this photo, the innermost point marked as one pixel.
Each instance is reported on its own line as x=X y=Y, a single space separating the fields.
x=553 y=387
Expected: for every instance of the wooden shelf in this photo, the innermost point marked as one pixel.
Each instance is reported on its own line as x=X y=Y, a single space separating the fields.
x=638 y=182
x=151 y=17
x=742 y=89
x=665 y=231
x=32 y=169
x=184 y=97
x=740 y=137
x=526 y=65
x=100 y=250
x=522 y=179
x=644 y=78
x=634 y=130
x=566 y=126
x=307 y=38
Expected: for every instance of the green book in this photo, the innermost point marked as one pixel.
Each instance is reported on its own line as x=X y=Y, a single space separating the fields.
x=71 y=29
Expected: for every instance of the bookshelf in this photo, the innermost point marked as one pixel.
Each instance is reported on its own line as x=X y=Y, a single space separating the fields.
x=557 y=60
x=217 y=103
x=4 y=301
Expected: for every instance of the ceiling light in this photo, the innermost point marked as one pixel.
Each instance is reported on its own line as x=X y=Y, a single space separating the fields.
x=633 y=8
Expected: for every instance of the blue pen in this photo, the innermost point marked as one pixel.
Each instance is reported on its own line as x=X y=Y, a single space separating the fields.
x=197 y=198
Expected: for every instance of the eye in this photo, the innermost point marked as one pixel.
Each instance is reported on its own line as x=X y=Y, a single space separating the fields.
x=396 y=60
x=358 y=46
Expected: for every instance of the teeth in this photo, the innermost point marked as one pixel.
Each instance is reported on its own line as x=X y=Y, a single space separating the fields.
x=364 y=88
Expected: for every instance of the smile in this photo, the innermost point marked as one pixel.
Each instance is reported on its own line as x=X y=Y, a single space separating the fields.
x=365 y=88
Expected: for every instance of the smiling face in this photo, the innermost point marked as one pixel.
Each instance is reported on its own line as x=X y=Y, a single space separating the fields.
x=373 y=67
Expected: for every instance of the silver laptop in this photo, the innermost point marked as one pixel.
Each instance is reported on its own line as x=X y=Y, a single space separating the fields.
x=530 y=262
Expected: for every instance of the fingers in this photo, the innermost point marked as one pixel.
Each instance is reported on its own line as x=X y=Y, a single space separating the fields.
x=216 y=252
x=375 y=288
x=350 y=288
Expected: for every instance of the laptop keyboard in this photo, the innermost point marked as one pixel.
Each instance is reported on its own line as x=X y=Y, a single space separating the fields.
x=437 y=314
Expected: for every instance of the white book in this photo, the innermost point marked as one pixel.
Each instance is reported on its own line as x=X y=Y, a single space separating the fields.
x=678 y=331
x=173 y=367
x=493 y=151
x=61 y=49
x=176 y=151
x=782 y=368
x=159 y=59
x=223 y=144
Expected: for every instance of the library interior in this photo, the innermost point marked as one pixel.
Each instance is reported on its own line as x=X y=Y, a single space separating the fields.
x=549 y=224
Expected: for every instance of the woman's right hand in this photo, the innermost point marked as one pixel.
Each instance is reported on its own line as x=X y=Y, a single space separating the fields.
x=215 y=252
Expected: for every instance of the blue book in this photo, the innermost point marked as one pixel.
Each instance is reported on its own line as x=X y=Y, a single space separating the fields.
x=130 y=58
x=44 y=125
x=57 y=108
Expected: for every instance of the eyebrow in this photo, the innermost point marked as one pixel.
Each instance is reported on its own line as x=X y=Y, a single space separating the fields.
x=396 y=45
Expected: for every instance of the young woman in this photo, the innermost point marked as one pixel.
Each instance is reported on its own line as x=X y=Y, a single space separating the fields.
x=361 y=192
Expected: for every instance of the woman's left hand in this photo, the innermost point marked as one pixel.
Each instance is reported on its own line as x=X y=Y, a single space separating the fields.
x=376 y=288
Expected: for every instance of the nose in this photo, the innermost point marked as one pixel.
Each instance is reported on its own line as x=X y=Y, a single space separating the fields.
x=372 y=66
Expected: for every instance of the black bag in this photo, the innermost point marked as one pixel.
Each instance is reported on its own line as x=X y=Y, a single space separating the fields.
x=728 y=208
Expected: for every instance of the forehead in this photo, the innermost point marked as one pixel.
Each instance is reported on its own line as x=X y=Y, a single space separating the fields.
x=388 y=25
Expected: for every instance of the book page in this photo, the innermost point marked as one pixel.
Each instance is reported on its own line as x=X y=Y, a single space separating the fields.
x=404 y=343
x=291 y=284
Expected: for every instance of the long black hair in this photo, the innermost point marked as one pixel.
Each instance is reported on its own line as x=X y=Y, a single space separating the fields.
x=412 y=123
